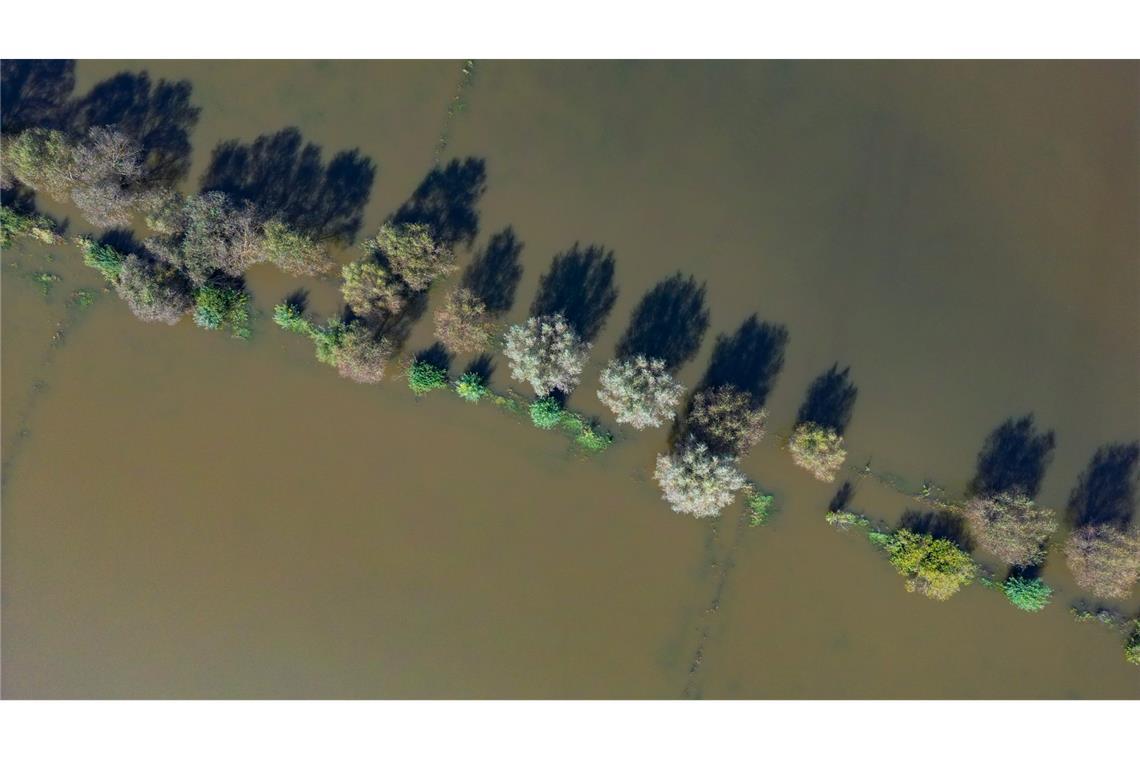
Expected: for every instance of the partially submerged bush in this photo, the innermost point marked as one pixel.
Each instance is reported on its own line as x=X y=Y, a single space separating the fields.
x=471 y=387
x=42 y=159
x=294 y=252
x=547 y=353
x=36 y=226
x=1132 y=646
x=462 y=324
x=1104 y=559
x=102 y=258
x=640 y=392
x=545 y=412
x=356 y=351
x=935 y=567
x=412 y=253
x=223 y=304
x=818 y=450
x=154 y=291
x=1011 y=527
x=759 y=508
x=214 y=236
x=697 y=482
x=370 y=289
x=1029 y=594
x=106 y=164
x=725 y=419
x=423 y=376
x=290 y=317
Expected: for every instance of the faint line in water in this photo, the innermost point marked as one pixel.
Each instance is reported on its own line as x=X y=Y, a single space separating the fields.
x=457 y=104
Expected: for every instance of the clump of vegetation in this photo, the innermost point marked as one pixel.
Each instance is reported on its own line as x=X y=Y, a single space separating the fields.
x=294 y=252
x=102 y=258
x=106 y=165
x=412 y=253
x=547 y=353
x=361 y=355
x=759 y=508
x=1029 y=594
x=154 y=291
x=725 y=419
x=424 y=376
x=1132 y=646
x=463 y=324
x=291 y=318
x=471 y=387
x=818 y=450
x=14 y=223
x=546 y=412
x=81 y=298
x=42 y=159
x=1104 y=559
x=935 y=567
x=697 y=482
x=44 y=281
x=211 y=235
x=640 y=392
x=370 y=289
x=591 y=438
x=223 y=304
x=841 y=518
x=1011 y=527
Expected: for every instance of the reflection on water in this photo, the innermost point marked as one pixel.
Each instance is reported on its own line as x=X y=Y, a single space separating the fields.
x=193 y=516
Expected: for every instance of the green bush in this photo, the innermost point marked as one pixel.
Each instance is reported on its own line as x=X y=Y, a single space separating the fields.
x=759 y=508
x=591 y=438
x=545 y=412
x=471 y=387
x=102 y=258
x=935 y=567
x=223 y=304
x=37 y=226
x=424 y=377
x=1029 y=594
x=289 y=317
x=1132 y=647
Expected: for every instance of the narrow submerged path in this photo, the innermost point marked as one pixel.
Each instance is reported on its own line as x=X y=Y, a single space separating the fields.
x=455 y=106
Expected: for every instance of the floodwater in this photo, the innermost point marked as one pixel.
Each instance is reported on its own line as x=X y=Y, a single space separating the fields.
x=186 y=515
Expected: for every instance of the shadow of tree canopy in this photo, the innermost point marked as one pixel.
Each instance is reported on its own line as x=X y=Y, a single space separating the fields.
x=158 y=115
x=493 y=275
x=1013 y=458
x=579 y=285
x=830 y=399
x=940 y=525
x=482 y=365
x=842 y=498
x=437 y=355
x=668 y=323
x=749 y=359
x=445 y=201
x=284 y=177
x=35 y=93
x=1106 y=491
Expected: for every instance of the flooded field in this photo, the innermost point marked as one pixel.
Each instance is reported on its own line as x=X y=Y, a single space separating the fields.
x=186 y=515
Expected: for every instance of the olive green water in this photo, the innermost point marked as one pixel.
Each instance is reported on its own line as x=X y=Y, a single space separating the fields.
x=189 y=516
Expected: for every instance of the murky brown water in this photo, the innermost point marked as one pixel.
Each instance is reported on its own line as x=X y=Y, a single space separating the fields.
x=190 y=516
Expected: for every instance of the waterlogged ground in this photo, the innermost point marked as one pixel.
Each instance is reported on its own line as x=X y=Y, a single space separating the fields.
x=185 y=515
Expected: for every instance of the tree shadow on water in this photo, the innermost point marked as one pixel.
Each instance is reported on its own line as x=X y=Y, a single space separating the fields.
x=842 y=498
x=284 y=177
x=445 y=201
x=580 y=286
x=482 y=365
x=940 y=525
x=1013 y=459
x=830 y=399
x=158 y=115
x=749 y=359
x=1106 y=491
x=669 y=323
x=35 y=93
x=437 y=355
x=493 y=275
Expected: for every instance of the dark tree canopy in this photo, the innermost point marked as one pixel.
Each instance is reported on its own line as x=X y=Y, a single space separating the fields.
x=668 y=323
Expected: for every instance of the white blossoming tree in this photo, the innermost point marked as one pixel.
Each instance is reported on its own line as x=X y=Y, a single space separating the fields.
x=696 y=482
x=547 y=353
x=640 y=392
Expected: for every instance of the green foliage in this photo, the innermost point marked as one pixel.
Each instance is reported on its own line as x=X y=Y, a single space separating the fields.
x=818 y=450
x=223 y=304
x=36 y=226
x=294 y=252
x=424 y=377
x=545 y=412
x=1029 y=594
x=586 y=434
x=936 y=567
x=291 y=318
x=412 y=253
x=471 y=387
x=327 y=340
x=42 y=159
x=759 y=508
x=44 y=281
x=879 y=538
x=844 y=519
x=1132 y=646
x=102 y=258
x=81 y=298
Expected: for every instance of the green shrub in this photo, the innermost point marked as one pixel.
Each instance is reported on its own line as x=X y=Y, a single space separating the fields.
x=328 y=339
x=471 y=387
x=545 y=412
x=759 y=508
x=818 y=450
x=36 y=226
x=223 y=304
x=591 y=438
x=935 y=567
x=1029 y=594
x=424 y=377
x=102 y=258
x=289 y=317
x=1132 y=647
x=294 y=252
x=844 y=519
